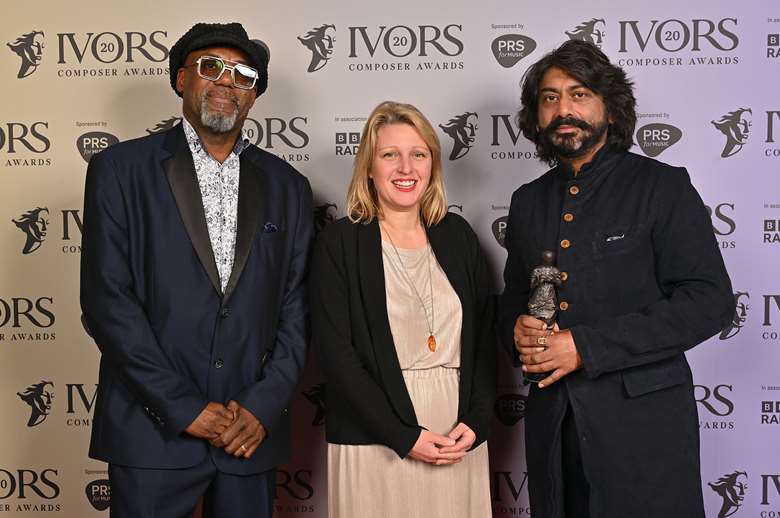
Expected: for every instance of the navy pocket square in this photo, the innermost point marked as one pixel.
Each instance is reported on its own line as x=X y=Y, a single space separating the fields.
x=270 y=227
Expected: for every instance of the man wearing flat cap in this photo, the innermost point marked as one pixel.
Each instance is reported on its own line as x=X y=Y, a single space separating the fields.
x=195 y=247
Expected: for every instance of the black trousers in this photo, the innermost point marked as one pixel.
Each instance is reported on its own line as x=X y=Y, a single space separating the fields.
x=174 y=493
x=576 y=489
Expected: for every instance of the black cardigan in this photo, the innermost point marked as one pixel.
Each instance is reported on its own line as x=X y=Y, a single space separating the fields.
x=367 y=399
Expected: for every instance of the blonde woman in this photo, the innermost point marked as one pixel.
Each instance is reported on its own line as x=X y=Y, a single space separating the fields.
x=402 y=320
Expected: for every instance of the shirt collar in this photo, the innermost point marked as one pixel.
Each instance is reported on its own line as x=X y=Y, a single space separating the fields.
x=195 y=144
x=589 y=169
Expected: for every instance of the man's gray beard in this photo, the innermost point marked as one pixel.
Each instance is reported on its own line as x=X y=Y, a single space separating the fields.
x=215 y=121
x=571 y=147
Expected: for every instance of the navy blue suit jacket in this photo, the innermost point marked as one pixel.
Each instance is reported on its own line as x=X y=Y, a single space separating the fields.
x=171 y=340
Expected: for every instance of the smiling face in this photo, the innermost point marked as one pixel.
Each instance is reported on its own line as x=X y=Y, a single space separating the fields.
x=214 y=106
x=401 y=168
x=572 y=117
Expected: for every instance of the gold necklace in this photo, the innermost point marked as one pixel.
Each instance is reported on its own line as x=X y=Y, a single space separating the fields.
x=430 y=325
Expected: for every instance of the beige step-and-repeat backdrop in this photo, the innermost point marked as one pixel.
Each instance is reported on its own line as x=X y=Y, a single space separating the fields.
x=76 y=77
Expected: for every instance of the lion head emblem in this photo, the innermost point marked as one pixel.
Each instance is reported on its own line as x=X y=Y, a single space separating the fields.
x=29 y=48
x=463 y=131
x=736 y=127
x=164 y=125
x=740 y=315
x=323 y=216
x=39 y=398
x=319 y=41
x=34 y=224
x=588 y=31
x=316 y=396
x=731 y=489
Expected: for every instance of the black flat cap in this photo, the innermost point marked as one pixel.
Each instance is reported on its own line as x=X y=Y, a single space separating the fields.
x=203 y=35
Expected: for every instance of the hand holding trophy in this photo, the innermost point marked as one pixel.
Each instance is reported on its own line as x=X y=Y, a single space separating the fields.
x=543 y=302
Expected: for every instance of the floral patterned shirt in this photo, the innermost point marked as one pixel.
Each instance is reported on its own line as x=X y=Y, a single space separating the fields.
x=219 y=191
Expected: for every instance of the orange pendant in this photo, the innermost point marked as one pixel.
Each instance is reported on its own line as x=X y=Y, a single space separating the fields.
x=432 y=343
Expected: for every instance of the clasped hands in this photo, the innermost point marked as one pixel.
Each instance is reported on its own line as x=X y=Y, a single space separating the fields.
x=443 y=449
x=545 y=350
x=230 y=427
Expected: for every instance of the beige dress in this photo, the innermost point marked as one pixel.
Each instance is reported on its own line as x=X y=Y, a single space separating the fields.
x=371 y=480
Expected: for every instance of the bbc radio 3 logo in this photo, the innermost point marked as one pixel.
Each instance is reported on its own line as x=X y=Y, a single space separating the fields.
x=771 y=231
x=770 y=412
x=773 y=45
x=347 y=143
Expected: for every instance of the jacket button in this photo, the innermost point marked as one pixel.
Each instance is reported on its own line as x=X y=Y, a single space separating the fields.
x=564 y=276
x=568 y=217
x=219 y=363
x=565 y=243
x=563 y=305
x=574 y=190
x=225 y=312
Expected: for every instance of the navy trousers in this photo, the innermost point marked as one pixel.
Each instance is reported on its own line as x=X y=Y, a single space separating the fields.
x=174 y=493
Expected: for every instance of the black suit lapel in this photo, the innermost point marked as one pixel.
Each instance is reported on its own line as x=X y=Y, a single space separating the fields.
x=372 y=286
x=249 y=209
x=180 y=170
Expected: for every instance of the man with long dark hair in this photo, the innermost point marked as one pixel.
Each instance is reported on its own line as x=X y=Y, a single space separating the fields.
x=611 y=430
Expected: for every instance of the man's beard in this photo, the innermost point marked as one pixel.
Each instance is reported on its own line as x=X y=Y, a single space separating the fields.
x=573 y=145
x=216 y=121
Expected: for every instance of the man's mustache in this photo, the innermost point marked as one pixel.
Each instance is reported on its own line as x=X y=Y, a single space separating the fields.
x=567 y=121
x=230 y=97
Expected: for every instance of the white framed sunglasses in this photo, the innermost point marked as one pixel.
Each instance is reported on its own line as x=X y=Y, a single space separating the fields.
x=212 y=68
